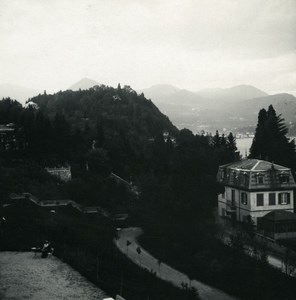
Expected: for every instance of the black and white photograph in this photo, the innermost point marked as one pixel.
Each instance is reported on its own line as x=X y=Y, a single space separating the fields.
x=148 y=149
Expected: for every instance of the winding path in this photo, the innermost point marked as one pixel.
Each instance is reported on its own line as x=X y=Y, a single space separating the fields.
x=162 y=270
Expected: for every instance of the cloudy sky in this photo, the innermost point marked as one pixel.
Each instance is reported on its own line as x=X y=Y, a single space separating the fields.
x=192 y=44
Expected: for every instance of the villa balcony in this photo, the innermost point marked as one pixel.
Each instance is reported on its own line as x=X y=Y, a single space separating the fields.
x=230 y=206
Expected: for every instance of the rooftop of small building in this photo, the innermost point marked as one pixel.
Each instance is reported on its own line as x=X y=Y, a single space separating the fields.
x=254 y=165
x=280 y=215
x=6 y=128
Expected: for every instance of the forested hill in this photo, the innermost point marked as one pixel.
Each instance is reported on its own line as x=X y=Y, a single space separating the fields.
x=117 y=109
x=67 y=125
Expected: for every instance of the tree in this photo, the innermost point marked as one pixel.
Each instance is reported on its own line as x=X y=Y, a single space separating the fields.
x=98 y=162
x=231 y=145
x=100 y=136
x=258 y=147
x=216 y=140
x=270 y=141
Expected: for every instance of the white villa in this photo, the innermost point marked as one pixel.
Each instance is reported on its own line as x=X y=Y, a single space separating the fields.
x=255 y=188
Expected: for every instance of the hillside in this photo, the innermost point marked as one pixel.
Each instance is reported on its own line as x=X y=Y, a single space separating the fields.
x=164 y=95
x=203 y=99
x=116 y=119
x=233 y=94
x=284 y=104
x=119 y=107
x=234 y=109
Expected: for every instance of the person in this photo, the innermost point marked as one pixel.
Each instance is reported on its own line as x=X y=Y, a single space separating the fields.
x=46 y=249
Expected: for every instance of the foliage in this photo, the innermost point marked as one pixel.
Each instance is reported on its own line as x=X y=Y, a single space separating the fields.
x=105 y=129
x=216 y=264
x=19 y=176
x=270 y=141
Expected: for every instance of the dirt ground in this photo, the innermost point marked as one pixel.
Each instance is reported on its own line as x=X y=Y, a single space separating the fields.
x=23 y=276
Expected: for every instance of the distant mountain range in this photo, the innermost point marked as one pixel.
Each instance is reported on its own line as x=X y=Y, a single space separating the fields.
x=169 y=94
x=236 y=93
x=233 y=109
x=16 y=92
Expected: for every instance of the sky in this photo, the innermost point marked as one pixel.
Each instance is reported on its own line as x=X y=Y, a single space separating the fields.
x=192 y=44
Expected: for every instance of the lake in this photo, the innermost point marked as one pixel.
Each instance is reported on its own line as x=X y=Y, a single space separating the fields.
x=243 y=145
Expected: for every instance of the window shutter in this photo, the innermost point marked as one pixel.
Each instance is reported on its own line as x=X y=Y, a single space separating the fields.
x=280 y=199
x=288 y=198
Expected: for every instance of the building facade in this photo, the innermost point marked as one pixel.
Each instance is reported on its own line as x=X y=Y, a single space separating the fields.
x=8 y=141
x=63 y=173
x=254 y=188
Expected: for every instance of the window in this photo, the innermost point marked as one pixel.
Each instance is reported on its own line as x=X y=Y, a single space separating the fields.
x=223 y=212
x=271 y=199
x=233 y=195
x=284 y=198
x=260 y=198
x=244 y=198
x=284 y=178
x=260 y=179
x=245 y=178
x=233 y=176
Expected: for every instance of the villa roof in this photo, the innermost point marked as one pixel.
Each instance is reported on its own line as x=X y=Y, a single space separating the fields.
x=254 y=165
x=280 y=215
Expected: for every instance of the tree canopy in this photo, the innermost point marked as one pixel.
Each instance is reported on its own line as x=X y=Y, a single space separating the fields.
x=270 y=142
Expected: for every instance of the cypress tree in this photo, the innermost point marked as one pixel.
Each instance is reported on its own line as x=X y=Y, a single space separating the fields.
x=231 y=145
x=270 y=141
x=258 y=145
x=216 y=140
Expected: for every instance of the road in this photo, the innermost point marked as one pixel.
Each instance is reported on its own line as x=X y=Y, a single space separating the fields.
x=165 y=272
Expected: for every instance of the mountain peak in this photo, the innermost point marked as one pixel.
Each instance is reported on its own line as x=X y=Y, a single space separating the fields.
x=235 y=93
x=83 y=84
x=248 y=88
x=159 y=90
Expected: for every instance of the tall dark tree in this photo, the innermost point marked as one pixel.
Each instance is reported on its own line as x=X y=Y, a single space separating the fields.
x=258 y=147
x=100 y=136
x=231 y=146
x=270 y=141
x=223 y=140
x=216 y=139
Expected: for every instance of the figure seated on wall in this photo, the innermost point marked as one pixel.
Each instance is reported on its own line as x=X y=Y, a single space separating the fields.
x=45 y=250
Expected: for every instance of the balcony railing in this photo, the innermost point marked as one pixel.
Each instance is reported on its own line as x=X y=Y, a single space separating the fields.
x=230 y=206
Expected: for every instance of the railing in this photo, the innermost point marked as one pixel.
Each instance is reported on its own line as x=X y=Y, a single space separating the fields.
x=230 y=206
